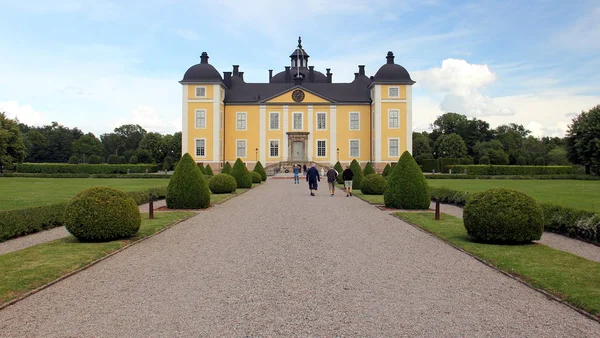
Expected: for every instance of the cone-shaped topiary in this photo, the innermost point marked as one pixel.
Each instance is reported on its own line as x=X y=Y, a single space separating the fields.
x=256 y=178
x=201 y=167
x=242 y=175
x=369 y=169
x=222 y=184
x=407 y=187
x=387 y=170
x=226 y=168
x=503 y=215
x=101 y=214
x=358 y=174
x=208 y=170
x=338 y=167
x=187 y=188
x=373 y=184
x=258 y=168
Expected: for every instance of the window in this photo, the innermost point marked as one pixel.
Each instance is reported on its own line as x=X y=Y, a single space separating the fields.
x=200 y=91
x=321 y=121
x=393 y=147
x=200 y=118
x=354 y=148
x=241 y=148
x=394 y=92
x=321 y=148
x=393 y=118
x=241 y=121
x=222 y=119
x=274 y=121
x=274 y=148
x=354 y=120
x=297 y=121
x=201 y=148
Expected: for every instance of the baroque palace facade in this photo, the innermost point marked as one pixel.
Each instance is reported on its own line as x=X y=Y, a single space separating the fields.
x=299 y=116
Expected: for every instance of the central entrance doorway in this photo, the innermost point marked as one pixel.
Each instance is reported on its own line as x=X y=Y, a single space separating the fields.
x=297 y=151
x=297 y=145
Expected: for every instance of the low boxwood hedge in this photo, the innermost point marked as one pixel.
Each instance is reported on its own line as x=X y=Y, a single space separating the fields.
x=222 y=184
x=64 y=168
x=511 y=177
x=373 y=184
x=150 y=176
x=511 y=169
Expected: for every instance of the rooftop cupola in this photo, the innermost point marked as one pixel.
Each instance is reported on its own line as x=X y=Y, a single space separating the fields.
x=299 y=58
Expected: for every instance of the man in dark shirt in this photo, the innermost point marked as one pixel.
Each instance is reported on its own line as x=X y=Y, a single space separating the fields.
x=347 y=175
x=312 y=177
x=332 y=175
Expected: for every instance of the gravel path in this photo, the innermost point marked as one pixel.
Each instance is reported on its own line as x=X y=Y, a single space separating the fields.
x=556 y=241
x=277 y=262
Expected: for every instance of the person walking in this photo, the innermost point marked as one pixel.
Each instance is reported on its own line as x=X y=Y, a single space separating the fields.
x=312 y=177
x=332 y=175
x=304 y=167
x=297 y=174
x=347 y=175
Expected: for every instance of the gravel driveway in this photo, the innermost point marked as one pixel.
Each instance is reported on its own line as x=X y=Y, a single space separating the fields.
x=277 y=262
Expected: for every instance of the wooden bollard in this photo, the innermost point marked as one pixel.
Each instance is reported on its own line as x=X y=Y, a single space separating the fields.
x=437 y=209
x=151 y=209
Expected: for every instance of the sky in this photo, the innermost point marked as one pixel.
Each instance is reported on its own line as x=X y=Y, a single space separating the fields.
x=96 y=65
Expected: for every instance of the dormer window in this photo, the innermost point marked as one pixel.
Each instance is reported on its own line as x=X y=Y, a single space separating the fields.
x=200 y=91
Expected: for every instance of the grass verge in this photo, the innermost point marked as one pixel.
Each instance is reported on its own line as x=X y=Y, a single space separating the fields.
x=25 y=270
x=571 y=278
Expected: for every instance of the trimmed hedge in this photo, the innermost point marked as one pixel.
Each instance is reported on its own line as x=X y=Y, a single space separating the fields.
x=512 y=170
x=502 y=215
x=338 y=167
x=63 y=168
x=258 y=168
x=150 y=176
x=102 y=214
x=187 y=188
x=222 y=184
x=407 y=187
x=201 y=167
x=387 y=170
x=513 y=177
x=447 y=163
x=373 y=184
x=208 y=170
x=369 y=169
x=15 y=223
x=242 y=175
x=256 y=178
x=226 y=168
x=430 y=165
x=358 y=174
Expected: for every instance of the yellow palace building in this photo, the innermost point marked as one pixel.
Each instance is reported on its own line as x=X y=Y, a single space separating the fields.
x=299 y=116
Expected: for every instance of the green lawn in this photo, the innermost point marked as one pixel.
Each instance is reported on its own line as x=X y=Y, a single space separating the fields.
x=574 y=279
x=24 y=270
x=24 y=192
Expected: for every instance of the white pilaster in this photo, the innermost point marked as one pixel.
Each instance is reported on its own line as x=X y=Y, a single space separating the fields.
x=184 y=119
x=378 y=125
x=310 y=141
x=333 y=134
x=262 y=133
x=284 y=131
x=216 y=117
x=408 y=119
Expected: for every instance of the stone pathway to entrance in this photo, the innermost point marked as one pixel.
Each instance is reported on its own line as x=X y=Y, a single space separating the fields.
x=276 y=262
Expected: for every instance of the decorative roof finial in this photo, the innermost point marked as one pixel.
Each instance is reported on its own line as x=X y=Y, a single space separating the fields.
x=299 y=42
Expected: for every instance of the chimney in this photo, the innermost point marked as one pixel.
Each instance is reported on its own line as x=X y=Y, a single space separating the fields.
x=236 y=69
x=329 y=75
x=311 y=74
x=241 y=75
x=361 y=69
x=270 y=75
x=204 y=57
x=288 y=76
x=227 y=79
x=355 y=76
x=298 y=80
x=390 y=57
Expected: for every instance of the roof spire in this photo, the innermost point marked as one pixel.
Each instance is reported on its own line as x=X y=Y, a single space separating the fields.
x=299 y=42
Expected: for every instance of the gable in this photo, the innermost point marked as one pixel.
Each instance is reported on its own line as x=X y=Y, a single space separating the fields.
x=286 y=97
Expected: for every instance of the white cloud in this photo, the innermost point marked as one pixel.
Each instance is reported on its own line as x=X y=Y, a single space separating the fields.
x=150 y=119
x=583 y=34
x=24 y=113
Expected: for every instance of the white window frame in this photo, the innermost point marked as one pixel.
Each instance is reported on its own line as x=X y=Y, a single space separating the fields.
x=317 y=146
x=390 y=92
x=294 y=120
x=270 y=148
x=350 y=148
x=390 y=139
x=278 y=120
x=350 y=120
x=196 y=147
x=196 y=92
x=317 y=121
x=237 y=148
x=237 y=120
x=222 y=119
x=390 y=119
x=196 y=112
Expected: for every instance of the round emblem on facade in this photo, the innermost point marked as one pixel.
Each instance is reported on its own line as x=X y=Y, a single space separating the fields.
x=298 y=95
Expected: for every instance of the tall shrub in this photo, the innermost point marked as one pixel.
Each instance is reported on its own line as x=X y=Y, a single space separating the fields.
x=226 y=168
x=208 y=170
x=201 y=167
x=387 y=170
x=338 y=167
x=187 y=188
x=258 y=168
x=407 y=187
x=241 y=174
x=73 y=159
x=358 y=174
x=369 y=169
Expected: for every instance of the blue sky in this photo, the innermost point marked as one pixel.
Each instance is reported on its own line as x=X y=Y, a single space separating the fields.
x=99 y=64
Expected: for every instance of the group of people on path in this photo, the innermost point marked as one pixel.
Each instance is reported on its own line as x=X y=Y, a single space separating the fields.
x=313 y=177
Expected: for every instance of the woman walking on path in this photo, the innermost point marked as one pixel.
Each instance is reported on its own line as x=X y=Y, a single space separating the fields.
x=312 y=177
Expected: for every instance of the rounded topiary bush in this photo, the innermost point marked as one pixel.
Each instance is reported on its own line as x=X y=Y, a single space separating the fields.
x=208 y=170
x=357 y=174
x=484 y=160
x=373 y=184
x=187 y=188
x=73 y=159
x=521 y=160
x=133 y=160
x=387 y=170
x=94 y=159
x=226 y=168
x=258 y=168
x=503 y=215
x=222 y=184
x=407 y=187
x=241 y=174
x=113 y=159
x=256 y=178
x=201 y=167
x=338 y=167
x=102 y=214
x=369 y=169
